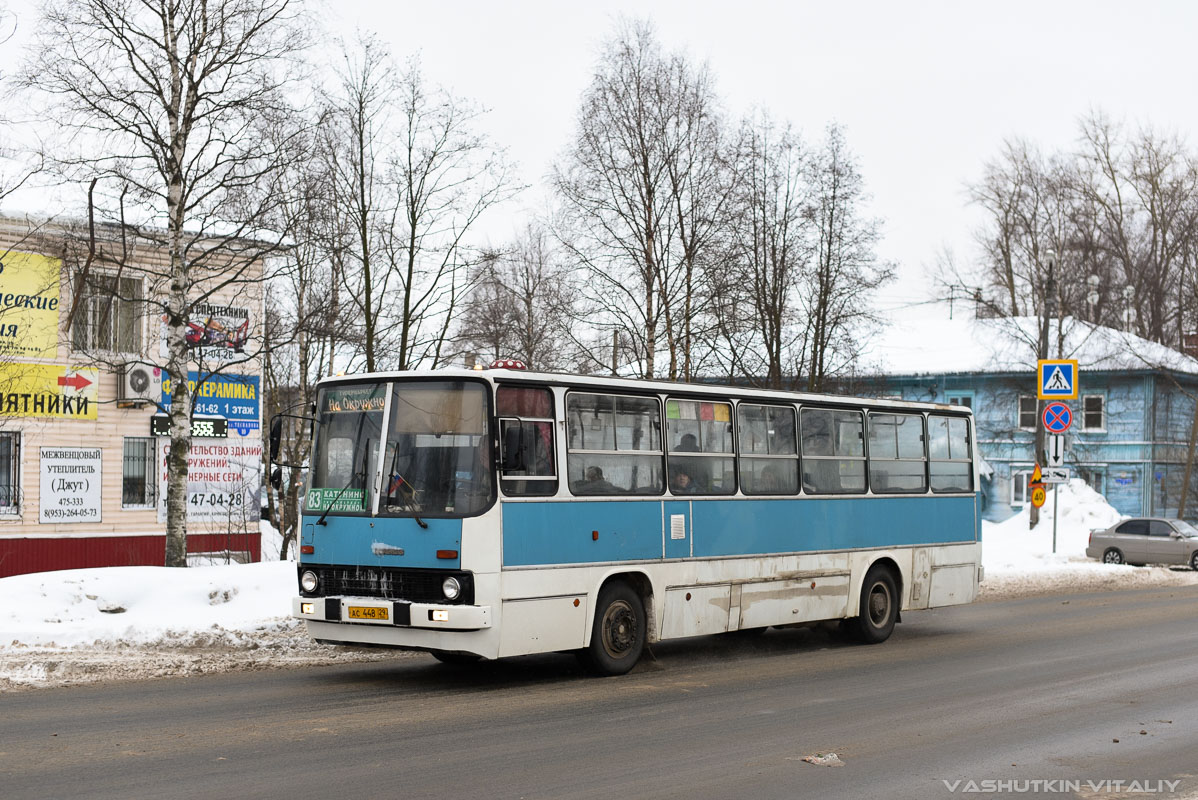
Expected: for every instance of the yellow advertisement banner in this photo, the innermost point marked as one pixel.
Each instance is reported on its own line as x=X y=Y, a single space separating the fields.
x=28 y=305
x=48 y=390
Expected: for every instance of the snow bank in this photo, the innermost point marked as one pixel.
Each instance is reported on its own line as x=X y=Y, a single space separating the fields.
x=142 y=604
x=1022 y=561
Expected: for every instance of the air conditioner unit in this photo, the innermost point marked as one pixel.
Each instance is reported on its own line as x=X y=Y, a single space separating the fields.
x=140 y=383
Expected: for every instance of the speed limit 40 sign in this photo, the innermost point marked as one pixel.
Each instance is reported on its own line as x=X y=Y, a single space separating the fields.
x=1038 y=495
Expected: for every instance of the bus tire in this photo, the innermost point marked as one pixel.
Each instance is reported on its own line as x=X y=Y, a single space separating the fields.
x=878 y=609
x=618 y=633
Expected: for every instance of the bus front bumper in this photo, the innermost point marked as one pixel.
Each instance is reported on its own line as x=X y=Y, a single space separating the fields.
x=391 y=613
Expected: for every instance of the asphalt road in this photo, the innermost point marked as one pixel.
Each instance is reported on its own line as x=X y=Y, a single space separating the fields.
x=1025 y=690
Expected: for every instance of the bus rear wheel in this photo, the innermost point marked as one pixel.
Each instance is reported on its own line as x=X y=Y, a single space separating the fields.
x=878 y=609
x=618 y=633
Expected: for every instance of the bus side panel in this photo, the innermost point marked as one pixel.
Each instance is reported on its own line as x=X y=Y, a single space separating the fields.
x=749 y=527
x=581 y=532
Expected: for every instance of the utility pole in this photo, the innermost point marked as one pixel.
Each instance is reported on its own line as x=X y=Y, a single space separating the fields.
x=1048 y=311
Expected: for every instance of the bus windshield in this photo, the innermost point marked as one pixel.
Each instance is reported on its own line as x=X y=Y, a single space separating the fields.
x=436 y=456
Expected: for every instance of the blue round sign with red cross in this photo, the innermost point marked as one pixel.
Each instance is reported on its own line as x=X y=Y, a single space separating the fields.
x=1057 y=418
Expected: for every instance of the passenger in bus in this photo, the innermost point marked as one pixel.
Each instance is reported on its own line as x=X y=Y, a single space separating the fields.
x=595 y=483
x=770 y=481
x=698 y=475
x=682 y=483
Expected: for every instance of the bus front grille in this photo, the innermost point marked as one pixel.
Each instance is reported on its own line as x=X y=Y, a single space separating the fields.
x=390 y=583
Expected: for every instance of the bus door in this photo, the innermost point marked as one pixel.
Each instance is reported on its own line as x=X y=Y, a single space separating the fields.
x=678 y=526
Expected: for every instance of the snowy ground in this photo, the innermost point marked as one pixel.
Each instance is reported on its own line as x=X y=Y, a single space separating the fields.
x=79 y=626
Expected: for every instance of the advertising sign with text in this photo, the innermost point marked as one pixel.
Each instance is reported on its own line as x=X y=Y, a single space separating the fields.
x=70 y=485
x=223 y=480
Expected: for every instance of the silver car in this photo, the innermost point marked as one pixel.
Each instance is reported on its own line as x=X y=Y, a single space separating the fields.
x=1146 y=540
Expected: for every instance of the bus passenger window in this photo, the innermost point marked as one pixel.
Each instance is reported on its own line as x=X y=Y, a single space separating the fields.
x=700 y=436
x=950 y=458
x=833 y=451
x=613 y=445
x=769 y=460
x=896 y=458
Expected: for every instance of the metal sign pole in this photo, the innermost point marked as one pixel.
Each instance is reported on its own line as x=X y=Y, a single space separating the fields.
x=1054 y=517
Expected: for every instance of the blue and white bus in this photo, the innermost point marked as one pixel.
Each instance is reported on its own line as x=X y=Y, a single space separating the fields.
x=499 y=513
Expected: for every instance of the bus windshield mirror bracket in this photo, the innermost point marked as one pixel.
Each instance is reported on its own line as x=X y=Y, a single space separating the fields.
x=275 y=438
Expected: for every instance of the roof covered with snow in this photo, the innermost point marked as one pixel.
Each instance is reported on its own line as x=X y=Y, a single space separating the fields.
x=936 y=345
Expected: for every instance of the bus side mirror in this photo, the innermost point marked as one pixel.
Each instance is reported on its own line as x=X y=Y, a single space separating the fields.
x=276 y=478
x=276 y=438
x=512 y=446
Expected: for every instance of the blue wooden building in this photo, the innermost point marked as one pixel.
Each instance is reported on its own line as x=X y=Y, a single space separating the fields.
x=1132 y=420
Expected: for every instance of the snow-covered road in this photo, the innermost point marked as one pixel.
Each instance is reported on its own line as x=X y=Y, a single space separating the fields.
x=136 y=622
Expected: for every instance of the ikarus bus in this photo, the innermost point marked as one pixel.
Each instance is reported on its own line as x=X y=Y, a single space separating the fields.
x=485 y=514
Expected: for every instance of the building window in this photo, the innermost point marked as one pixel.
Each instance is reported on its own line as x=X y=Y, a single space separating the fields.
x=108 y=315
x=1027 y=412
x=1093 y=412
x=138 y=473
x=10 y=472
x=959 y=399
x=1019 y=482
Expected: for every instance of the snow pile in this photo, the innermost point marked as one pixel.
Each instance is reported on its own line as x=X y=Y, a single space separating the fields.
x=140 y=622
x=1022 y=561
x=136 y=605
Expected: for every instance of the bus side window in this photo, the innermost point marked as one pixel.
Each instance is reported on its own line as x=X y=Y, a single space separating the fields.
x=769 y=459
x=833 y=451
x=528 y=467
x=896 y=454
x=701 y=460
x=950 y=458
x=614 y=444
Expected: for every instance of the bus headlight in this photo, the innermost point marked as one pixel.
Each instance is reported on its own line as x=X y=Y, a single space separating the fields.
x=451 y=588
x=308 y=581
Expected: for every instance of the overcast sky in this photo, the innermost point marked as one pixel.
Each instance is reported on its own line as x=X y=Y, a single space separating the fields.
x=926 y=91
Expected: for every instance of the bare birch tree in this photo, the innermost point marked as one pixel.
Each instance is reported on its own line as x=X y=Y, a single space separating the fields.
x=413 y=176
x=642 y=191
x=771 y=248
x=835 y=293
x=165 y=98
x=521 y=305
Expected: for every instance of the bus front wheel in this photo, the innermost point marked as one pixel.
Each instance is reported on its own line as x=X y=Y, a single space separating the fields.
x=878 y=609
x=618 y=634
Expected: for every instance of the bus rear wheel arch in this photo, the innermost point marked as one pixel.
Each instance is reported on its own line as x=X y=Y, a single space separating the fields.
x=619 y=630
x=878 y=606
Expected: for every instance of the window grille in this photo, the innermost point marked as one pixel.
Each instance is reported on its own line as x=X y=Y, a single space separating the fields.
x=138 y=473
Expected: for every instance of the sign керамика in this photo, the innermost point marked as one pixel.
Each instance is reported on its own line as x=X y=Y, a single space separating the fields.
x=234 y=397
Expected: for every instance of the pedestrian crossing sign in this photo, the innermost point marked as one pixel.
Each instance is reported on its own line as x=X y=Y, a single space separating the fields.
x=1056 y=380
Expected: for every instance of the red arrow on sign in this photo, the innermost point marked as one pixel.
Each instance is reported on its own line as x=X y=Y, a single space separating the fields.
x=75 y=381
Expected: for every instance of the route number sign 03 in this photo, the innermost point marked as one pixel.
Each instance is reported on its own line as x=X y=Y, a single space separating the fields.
x=1057 y=417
